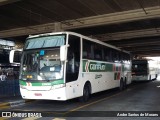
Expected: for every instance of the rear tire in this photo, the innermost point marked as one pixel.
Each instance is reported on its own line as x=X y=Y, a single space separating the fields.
x=121 y=87
x=125 y=84
x=156 y=77
x=150 y=77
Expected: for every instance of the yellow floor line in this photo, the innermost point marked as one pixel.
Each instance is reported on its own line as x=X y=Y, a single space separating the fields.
x=4 y=104
x=4 y=107
x=4 y=118
x=75 y=109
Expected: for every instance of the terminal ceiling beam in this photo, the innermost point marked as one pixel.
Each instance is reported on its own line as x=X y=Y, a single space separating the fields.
x=150 y=50
x=148 y=53
x=129 y=34
x=113 y=18
x=106 y=19
x=143 y=48
x=135 y=42
x=4 y=2
x=138 y=44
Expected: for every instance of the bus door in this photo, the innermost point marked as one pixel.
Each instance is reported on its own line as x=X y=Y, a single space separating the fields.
x=72 y=66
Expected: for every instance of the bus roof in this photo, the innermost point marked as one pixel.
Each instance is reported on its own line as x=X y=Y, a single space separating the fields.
x=80 y=35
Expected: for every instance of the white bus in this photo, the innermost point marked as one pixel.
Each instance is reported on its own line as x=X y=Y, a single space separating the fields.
x=66 y=65
x=144 y=69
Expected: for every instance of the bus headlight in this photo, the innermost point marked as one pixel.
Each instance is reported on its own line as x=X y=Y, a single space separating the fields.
x=29 y=76
x=58 y=86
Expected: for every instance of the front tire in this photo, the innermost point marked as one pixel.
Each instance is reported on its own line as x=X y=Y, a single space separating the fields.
x=86 y=94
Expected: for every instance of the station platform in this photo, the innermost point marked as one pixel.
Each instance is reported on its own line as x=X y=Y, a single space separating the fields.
x=11 y=101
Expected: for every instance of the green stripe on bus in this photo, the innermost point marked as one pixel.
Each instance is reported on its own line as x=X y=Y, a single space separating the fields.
x=25 y=83
x=58 y=82
x=89 y=66
x=22 y=82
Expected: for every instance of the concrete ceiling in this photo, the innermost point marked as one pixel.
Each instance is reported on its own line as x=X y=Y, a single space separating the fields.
x=133 y=25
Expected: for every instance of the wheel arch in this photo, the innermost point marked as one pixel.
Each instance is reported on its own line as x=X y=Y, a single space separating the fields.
x=88 y=83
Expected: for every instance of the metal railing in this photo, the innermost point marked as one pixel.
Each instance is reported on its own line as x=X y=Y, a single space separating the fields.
x=9 y=88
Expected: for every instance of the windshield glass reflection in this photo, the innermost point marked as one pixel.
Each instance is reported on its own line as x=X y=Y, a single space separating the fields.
x=42 y=65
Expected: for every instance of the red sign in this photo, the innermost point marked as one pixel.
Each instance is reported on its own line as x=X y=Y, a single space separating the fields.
x=38 y=94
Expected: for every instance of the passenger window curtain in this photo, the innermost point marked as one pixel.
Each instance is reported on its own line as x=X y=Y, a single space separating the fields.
x=49 y=41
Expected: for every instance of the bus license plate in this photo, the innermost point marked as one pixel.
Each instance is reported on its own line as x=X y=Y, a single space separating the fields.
x=37 y=94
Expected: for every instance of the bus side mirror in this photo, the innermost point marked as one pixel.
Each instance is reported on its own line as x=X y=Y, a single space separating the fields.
x=63 y=55
x=15 y=56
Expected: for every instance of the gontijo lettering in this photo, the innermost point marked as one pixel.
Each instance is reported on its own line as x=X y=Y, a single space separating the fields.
x=97 y=67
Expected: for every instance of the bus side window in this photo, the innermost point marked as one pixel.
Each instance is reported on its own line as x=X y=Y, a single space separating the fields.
x=73 y=58
x=97 y=52
x=108 y=54
x=88 y=49
x=84 y=54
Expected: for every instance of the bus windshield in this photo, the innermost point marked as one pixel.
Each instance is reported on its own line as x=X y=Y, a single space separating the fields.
x=41 y=65
x=139 y=69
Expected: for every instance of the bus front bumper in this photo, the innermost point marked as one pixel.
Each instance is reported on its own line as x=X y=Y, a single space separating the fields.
x=56 y=94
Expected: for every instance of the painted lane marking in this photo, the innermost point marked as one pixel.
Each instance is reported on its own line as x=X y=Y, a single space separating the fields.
x=31 y=118
x=4 y=107
x=4 y=118
x=58 y=119
x=75 y=109
x=4 y=104
x=100 y=100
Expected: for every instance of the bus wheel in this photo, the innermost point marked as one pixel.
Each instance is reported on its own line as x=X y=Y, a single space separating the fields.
x=86 y=94
x=125 y=84
x=156 y=77
x=121 y=86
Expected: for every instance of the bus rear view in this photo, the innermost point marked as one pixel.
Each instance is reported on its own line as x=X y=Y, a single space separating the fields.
x=143 y=70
